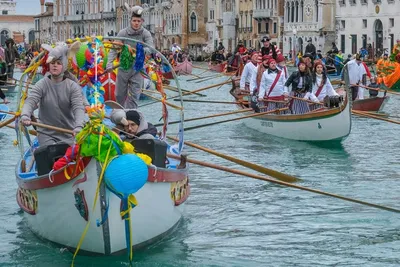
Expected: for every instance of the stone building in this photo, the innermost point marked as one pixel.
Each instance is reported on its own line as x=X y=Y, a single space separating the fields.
x=305 y=19
x=360 y=23
x=78 y=18
x=246 y=24
x=44 y=23
x=196 y=26
x=19 y=27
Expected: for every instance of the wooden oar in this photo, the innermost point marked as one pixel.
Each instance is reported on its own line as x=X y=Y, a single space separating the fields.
x=210 y=101
x=200 y=78
x=235 y=119
x=306 y=100
x=160 y=100
x=277 y=175
x=375 y=89
x=7 y=112
x=175 y=89
x=54 y=128
x=6 y=122
x=209 y=116
x=362 y=114
x=188 y=93
x=263 y=178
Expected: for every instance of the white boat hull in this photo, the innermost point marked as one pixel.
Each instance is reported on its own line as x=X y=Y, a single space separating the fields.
x=57 y=219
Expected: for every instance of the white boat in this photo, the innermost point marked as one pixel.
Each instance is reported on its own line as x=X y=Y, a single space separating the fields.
x=320 y=125
x=58 y=209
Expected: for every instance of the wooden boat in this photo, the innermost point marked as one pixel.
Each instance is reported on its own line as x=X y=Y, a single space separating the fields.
x=370 y=104
x=5 y=108
x=319 y=125
x=57 y=205
x=184 y=68
x=74 y=206
x=217 y=67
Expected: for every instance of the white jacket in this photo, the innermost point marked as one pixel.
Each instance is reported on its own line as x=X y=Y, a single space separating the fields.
x=247 y=73
x=327 y=90
x=266 y=83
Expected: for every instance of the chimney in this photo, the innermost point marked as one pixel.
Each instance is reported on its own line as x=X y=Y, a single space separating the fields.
x=42 y=6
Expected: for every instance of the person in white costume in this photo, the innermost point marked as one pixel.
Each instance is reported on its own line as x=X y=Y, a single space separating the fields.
x=321 y=84
x=356 y=72
x=249 y=69
x=175 y=48
x=272 y=87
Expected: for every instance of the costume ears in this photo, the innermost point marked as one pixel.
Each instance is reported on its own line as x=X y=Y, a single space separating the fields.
x=74 y=48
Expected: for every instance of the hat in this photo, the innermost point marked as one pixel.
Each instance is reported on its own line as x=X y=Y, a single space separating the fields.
x=317 y=63
x=136 y=10
x=309 y=40
x=308 y=55
x=266 y=57
x=265 y=39
x=358 y=57
x=301 y=62
x=280 y=58
x=134 y=116
x=271 y=60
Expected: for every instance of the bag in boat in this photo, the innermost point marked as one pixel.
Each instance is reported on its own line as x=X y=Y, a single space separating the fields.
x=333 y=101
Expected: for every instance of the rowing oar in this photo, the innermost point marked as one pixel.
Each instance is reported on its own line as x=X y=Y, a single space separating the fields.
x=7 y=112
x=188 y=93
x=209 y=116
x=6 y=122
x=235 y=119
x=263 y=178
x=277 y=175
x=375 y=89
x=210 y=101
x=160 y=100
x=362 y=114
x=175 y=89
x=54 y=128
x=200 y=78
x=306 y=100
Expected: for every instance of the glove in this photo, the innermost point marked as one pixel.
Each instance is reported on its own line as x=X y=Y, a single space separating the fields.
x=25 y=120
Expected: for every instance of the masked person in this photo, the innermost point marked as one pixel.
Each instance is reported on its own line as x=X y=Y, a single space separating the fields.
x=130 y=82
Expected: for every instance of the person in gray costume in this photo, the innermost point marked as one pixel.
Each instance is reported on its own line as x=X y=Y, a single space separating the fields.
x=59 y=99
x=130 y=82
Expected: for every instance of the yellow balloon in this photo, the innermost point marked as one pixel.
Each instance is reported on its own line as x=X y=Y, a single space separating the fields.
x=145 y=158
x=128 y=148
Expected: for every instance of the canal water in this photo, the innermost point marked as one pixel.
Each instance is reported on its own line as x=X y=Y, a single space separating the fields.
x=233 y=220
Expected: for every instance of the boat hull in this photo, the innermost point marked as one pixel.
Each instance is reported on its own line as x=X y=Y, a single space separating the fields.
x=184 y=68
x=370 y=104
x=217 y=67
x=55 y=215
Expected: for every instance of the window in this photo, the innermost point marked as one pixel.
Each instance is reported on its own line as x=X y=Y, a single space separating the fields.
x=342 y=2
x=4 y=12
x=342 y=43
x=275 y=27
x=259 y=27
x=391 y=22
x=342 y=24
x=353 y=2
x=249 y=43
x=354 y=44
x=364 y=2
x=391 y=41
x=193 y=22
x=364 y=23
x=244 y=42
x=266 y=27
x=211 y=14
x=364 y=40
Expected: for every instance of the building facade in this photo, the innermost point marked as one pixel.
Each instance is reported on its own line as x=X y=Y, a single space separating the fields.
x=173 y=26
x=246 y=24
x=78 y=18
x=268 y=16
x=196 y=16
x=372 y=24
x=214 y=25
x=44 y=23
x=18 y=27
x=308 y=19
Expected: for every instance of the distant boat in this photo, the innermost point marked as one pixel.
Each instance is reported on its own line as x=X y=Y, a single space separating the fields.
x=184 y=68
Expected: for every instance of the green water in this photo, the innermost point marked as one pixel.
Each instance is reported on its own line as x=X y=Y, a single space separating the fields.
x=232 y=220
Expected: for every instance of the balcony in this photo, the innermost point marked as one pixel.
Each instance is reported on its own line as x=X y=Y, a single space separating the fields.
x=108 y=15
x=262 y=13
x=92 y=16
x=74 y=17
x=166 y=4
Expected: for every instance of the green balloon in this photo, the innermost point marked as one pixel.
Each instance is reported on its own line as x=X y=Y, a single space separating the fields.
x=80 y=55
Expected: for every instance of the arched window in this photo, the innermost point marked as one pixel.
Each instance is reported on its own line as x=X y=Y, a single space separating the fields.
x=193 y=22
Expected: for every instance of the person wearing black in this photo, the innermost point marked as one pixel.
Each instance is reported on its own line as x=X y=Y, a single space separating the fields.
x=220 y=57
x=334 y=49
x=220 y=47
x=11 y=54
x=301 y=82
x=269 y=49
x=310 y=49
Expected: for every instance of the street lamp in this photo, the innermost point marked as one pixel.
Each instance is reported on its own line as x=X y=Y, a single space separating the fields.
x=294 y=46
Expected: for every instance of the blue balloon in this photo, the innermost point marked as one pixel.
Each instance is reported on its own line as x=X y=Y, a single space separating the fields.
x=126 y=174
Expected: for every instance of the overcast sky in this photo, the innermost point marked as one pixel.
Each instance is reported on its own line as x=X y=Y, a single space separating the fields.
x=28 y=7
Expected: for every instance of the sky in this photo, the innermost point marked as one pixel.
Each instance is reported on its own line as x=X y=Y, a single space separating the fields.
x=28 y=7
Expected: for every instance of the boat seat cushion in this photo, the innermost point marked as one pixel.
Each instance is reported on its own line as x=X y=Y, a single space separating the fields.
x=154 y=148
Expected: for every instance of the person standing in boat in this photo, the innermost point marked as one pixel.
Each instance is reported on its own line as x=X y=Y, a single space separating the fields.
x=356 y=74
x=272 y=87
x=249 y=69
x=3 y=79
x=59 y=100
x=322 y=86
x=11 y=54
x=130 y=82
x=269 y=49
x=301 y=83
x=310 y=49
